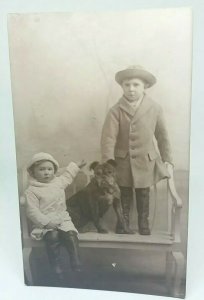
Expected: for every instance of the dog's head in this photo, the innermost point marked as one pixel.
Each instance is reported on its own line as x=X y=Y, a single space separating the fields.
x=104 y=173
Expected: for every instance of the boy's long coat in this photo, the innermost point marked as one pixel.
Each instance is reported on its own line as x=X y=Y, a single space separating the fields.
x=129 y=136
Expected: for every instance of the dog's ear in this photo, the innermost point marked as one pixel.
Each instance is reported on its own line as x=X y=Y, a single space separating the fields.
x=111 y=162
x=93 y=165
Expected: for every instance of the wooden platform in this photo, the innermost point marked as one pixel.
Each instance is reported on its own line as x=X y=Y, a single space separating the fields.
x=125 y=241
x=168 y=241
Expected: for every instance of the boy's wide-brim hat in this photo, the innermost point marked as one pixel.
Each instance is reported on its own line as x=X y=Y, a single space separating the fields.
x=42 y=156
x=136 y=72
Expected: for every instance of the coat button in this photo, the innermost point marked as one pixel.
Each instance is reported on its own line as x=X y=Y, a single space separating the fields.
x=133 y=147
x=133 y=156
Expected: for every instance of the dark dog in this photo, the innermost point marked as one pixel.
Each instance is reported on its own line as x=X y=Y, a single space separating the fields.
x=92 y=202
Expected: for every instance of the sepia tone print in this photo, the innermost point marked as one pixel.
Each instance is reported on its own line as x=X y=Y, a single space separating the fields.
x=102 y=125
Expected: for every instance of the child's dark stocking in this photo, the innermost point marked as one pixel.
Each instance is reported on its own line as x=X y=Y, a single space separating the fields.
x=70 y=241
x=52 y=243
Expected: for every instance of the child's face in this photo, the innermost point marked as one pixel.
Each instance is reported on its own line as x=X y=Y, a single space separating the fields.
x=44 y=172
x=133 y=89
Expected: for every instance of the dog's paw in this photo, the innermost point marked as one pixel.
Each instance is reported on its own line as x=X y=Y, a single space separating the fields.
x=82 y=230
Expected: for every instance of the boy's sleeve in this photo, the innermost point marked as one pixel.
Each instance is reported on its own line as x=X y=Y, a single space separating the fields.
x=162 y=138
x=109 y=135
x=32 y=210
x=70 y=173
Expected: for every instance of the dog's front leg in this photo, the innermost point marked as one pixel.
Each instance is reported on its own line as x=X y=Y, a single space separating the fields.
x=95 y=216
x=120 y=218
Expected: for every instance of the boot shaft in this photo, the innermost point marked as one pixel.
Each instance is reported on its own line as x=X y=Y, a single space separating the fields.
x=126 y=201
x=142 y=199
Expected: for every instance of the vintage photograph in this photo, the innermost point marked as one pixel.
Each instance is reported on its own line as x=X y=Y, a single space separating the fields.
x=101 y=105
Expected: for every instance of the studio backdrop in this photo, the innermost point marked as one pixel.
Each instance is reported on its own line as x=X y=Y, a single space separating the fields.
x=63 y=69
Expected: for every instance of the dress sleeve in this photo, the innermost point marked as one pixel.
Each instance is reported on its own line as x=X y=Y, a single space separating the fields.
x=109 y=135
x=70 y=173
x=162 y=138
x=33 y=211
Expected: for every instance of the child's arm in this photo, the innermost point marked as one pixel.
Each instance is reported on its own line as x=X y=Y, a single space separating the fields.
x=162 y=138
x=70 y=173
x=33 y=212
x=109 y=135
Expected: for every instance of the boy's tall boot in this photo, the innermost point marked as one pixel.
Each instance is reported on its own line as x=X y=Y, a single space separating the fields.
x=52 y=244
x=142 y=198
x=71 y=243
x=126 y=200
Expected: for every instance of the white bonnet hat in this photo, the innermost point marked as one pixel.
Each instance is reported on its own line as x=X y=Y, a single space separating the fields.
x=42 y=156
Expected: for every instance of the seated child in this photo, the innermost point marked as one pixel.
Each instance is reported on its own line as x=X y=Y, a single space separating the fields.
x=46 y=208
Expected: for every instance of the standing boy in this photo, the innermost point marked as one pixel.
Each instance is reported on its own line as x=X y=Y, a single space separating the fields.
x=129 y=133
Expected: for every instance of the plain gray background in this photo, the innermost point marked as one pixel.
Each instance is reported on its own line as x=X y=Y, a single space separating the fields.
x=11 y=274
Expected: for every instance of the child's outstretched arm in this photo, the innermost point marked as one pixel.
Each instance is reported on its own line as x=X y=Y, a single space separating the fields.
x=81 y=163
x=70 y=173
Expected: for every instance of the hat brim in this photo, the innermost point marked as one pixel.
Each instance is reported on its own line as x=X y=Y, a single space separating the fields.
x=55 y=163
x=144 y=75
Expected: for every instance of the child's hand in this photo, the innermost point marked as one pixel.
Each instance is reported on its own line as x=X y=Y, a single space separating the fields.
x=53 y=224
x=81 y=164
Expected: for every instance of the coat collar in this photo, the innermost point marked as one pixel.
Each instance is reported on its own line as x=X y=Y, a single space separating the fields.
x=34 y=182
x=144 y=106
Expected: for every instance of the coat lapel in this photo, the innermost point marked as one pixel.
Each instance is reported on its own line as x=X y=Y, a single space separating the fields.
x=143 y=108
x=145 y=105
x=124 y=105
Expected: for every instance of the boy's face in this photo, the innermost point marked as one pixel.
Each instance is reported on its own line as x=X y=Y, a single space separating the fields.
x=133 y=89
x=44 y=172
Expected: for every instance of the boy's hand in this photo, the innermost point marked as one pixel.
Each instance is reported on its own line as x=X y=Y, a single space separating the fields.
x=81 y=164
x=170 y=168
